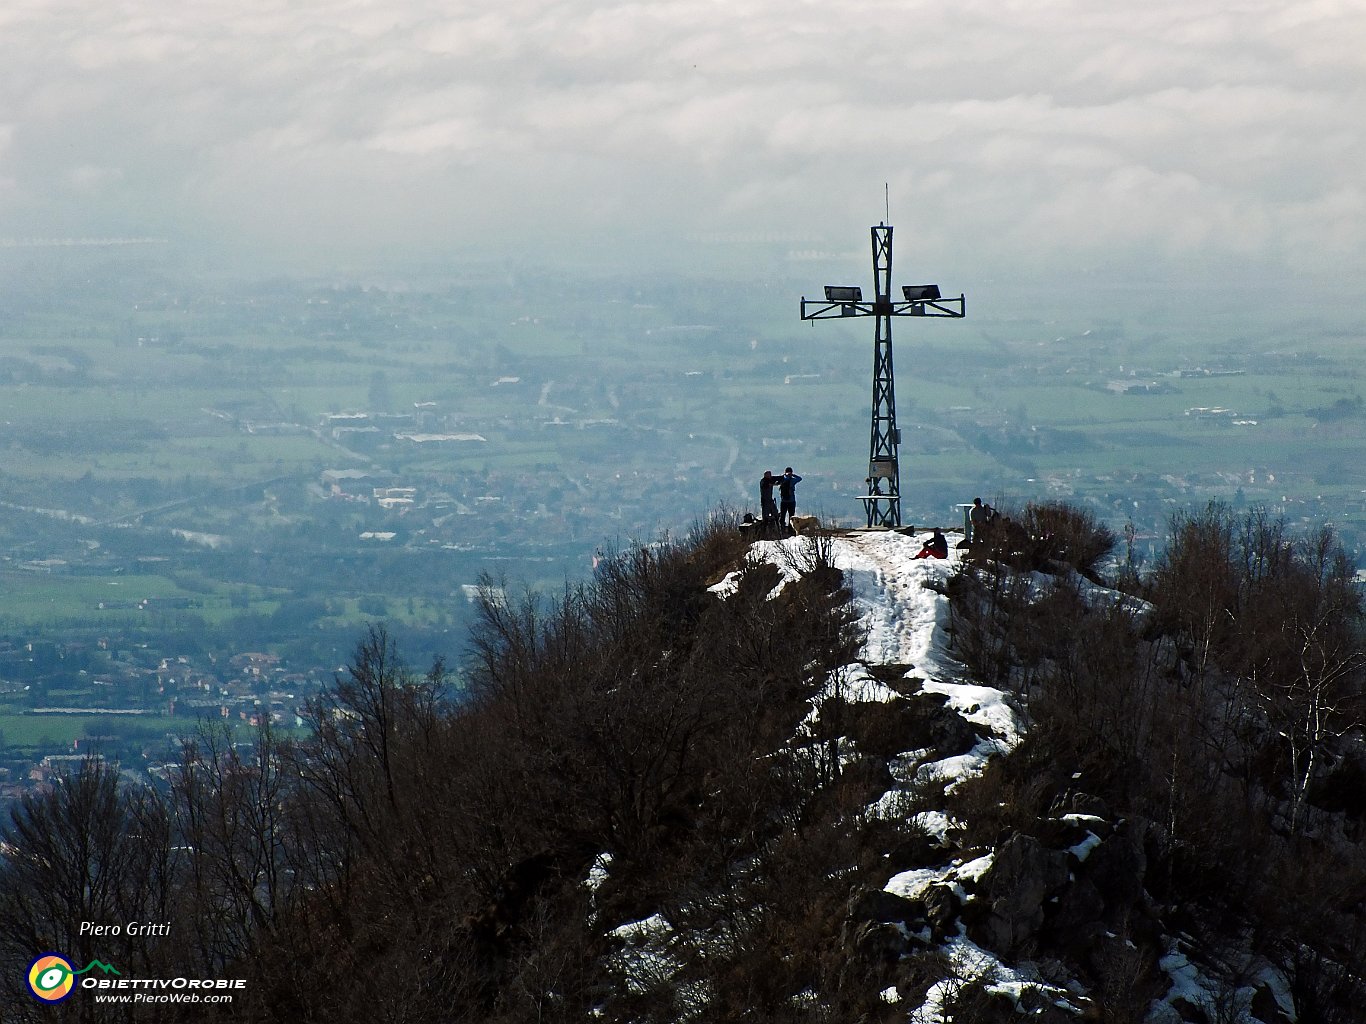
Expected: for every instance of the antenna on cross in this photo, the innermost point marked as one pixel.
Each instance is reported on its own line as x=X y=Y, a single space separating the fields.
x=883 y=500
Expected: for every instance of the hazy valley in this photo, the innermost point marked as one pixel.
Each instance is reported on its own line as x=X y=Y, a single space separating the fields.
x=212 y=485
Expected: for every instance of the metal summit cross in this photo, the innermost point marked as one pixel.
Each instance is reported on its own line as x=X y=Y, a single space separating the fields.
x=882 y=505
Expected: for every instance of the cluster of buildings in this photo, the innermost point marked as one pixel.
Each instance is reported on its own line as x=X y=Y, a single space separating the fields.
x=130 y=707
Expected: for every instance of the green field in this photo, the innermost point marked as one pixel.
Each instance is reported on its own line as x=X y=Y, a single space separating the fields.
x=42 y=600
x=23 y=733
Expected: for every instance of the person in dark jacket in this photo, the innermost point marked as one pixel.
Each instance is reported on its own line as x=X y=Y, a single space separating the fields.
x=787 y=491
x=766 y=503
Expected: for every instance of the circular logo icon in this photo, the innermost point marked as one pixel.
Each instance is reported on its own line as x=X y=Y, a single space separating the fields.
x=51 y=978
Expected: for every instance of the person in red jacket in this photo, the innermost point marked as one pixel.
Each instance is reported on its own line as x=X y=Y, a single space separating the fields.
x=936 y=547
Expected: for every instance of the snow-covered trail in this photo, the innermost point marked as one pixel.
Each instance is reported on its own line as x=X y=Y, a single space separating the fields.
x=895 y=595
x=894 y=592
x=902 y=604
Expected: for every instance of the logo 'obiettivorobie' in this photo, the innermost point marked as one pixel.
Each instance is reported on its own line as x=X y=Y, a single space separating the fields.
x=51 y=977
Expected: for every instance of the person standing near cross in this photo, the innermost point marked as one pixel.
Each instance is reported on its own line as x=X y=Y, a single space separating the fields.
x=787 y=492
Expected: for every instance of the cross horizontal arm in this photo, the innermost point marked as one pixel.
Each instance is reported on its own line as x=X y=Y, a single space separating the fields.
x=932 y=307
x=821 y=309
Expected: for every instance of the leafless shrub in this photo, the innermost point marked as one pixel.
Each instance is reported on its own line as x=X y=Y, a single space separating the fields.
x=1063 y=533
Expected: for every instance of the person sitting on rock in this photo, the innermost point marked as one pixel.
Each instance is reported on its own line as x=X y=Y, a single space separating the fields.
x=936 y=547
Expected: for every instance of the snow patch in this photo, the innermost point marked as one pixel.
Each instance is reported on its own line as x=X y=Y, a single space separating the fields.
x=637 y=932
x=971 y=963
x=597 y=874
x=981 y=705
x=914 y=883
x=1083 y=849
x=975 y=870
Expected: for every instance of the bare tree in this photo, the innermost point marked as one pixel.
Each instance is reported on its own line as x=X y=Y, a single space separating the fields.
x=230 y=821
x=85 y=852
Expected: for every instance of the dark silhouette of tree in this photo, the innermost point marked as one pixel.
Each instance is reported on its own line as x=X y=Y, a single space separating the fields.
x=229 y=812
x=85 y=851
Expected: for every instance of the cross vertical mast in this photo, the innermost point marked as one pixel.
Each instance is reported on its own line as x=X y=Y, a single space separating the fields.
x=883 y=468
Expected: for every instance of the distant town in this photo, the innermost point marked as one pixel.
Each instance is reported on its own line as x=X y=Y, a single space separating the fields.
x=147 y=704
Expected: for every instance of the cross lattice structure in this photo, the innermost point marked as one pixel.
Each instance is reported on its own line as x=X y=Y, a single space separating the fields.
x=883 y=500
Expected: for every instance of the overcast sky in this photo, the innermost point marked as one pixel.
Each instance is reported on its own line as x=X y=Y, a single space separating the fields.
x=1011 y=133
